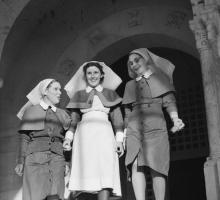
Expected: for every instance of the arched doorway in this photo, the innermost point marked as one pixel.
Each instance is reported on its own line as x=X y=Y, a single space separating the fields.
x=51 y=29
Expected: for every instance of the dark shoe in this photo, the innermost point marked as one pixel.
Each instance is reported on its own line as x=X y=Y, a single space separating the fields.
x=75 y=194
x=53 y=197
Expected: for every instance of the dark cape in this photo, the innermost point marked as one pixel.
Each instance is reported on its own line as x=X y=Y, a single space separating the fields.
x=158 y=82
x=33 y=118
x=82 y=99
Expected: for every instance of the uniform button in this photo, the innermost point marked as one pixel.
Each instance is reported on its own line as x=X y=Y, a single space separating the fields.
x=31 y=134
x=50 y=130
x=49 y=112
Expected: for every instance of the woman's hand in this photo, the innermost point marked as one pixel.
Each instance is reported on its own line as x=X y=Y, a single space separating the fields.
x=177 y=125
x=19 y=169
x=67 y=145
x=119 y=148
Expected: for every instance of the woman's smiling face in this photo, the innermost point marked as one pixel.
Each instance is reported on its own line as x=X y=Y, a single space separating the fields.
x=137 y=64
x=93 y=76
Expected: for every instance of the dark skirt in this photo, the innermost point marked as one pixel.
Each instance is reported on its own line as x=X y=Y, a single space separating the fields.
x=147 y=138
x=43 y=176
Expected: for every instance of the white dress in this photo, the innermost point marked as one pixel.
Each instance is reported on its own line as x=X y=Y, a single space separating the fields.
x=95 y=162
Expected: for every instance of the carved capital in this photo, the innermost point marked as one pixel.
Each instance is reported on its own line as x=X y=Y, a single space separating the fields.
x=197 y=6
x=207 y=17
x=211 y=30
x=201 y=35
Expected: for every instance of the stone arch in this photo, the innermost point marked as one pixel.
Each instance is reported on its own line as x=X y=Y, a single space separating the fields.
x=122 y=30
x=10 y=10
x=132 y=28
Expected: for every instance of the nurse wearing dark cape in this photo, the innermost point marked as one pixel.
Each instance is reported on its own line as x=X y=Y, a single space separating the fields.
x=41 y=158
x=147 y=143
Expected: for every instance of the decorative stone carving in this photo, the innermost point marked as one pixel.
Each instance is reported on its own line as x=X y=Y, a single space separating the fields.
x=207 y=13
x=66 y=67
x=96 y=36
x=135 y=18
x=176 y=19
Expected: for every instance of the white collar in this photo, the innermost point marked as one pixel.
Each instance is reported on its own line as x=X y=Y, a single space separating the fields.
x=145 y=75
x=99 y=88
x=45 y=106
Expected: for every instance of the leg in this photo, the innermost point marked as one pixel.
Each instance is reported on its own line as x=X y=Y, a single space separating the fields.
x=138 y=182
x=103 y=194
x=159 y=185
x=56 y=173
x=36 y=177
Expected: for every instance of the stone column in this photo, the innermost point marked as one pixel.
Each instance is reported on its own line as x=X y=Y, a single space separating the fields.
x=206 y=30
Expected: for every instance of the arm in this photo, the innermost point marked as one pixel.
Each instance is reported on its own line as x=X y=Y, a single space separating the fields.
x=117 y=122
x=73 y=110
x=118 y=126
x=169 y=102
x=129 y=97
x=24 y=140
x=69 y=136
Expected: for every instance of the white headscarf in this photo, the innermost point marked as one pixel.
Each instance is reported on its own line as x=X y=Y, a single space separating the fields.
x=163 y=64
x=78 y=81
x=35 y=96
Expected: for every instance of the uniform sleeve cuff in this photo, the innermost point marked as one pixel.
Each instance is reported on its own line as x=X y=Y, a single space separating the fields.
x=69 y=135
x=20 y=160
x=173 y=115
x=119 y=136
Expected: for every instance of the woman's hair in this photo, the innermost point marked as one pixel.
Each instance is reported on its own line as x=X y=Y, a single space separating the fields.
x=96 y=64
x=53 y=81
x=150 y=61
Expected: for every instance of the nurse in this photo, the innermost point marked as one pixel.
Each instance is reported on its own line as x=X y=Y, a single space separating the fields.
x=96 y=131
x=147 y=143
x=41 y=159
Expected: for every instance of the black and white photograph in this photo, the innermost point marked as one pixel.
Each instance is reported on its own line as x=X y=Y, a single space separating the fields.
x=109 y=100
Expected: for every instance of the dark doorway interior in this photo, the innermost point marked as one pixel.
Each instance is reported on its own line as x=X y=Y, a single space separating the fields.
x=186 y=180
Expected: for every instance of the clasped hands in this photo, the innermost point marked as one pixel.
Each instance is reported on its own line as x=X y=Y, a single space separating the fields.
x=67 y=144
x=119 y=149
